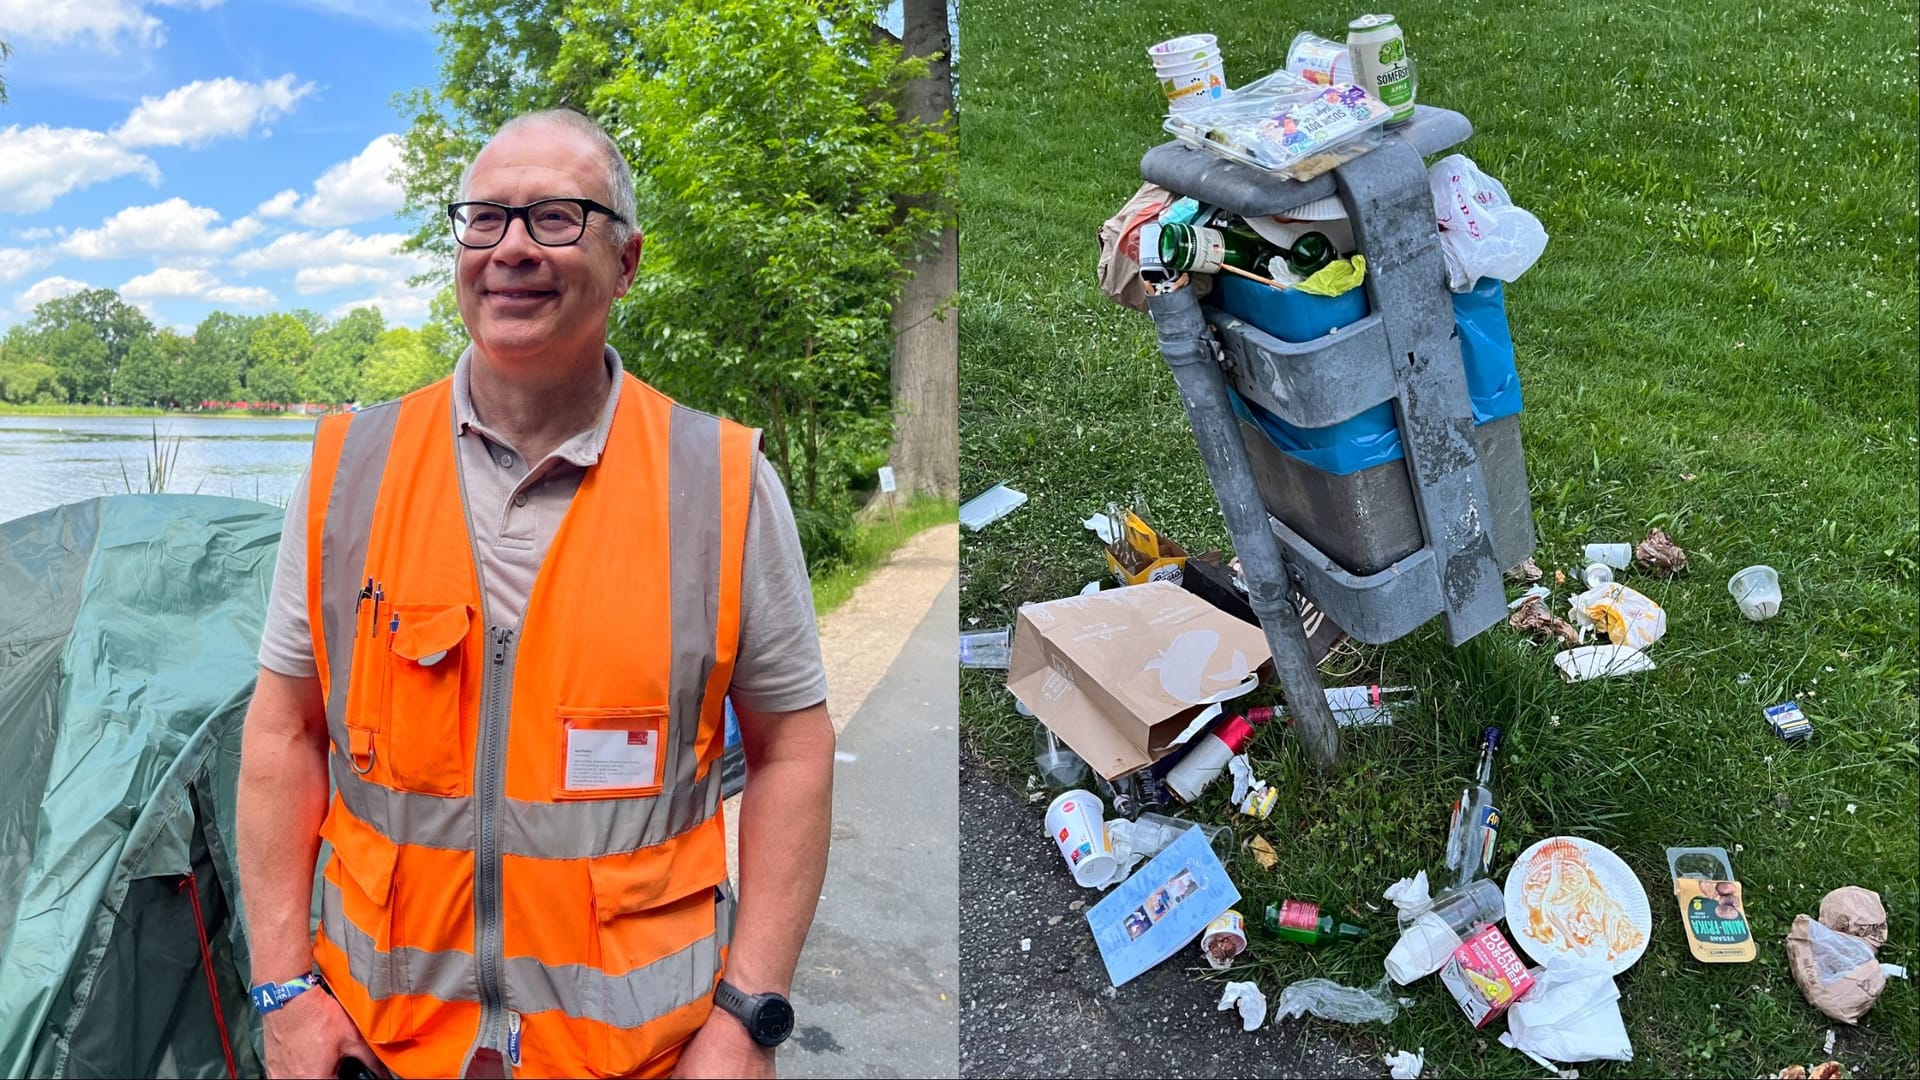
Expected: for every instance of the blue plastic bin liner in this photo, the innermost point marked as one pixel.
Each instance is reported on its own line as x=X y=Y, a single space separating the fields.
x=1373 y=438
x=1288 y=314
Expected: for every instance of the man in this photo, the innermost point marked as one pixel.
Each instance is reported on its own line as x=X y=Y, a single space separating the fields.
x=507 y=610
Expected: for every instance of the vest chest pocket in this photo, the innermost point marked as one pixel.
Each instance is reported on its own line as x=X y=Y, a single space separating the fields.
x=427 y=667
x=616 y=753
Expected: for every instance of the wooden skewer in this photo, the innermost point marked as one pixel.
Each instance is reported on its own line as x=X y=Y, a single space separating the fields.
x=1251 y=276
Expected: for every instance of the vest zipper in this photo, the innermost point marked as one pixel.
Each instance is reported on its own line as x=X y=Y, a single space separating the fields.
x=486 y=881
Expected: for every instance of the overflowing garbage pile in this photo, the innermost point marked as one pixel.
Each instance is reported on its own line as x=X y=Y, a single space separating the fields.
x=1136 y=684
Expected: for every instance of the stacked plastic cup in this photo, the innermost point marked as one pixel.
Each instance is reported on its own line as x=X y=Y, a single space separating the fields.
x=1189 y=71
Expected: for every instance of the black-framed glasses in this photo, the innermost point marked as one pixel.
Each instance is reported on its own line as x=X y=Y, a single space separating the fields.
x=551 y=222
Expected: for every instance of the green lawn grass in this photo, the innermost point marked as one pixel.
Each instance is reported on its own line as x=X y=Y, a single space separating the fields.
x=1719 y=340
x=873 y=541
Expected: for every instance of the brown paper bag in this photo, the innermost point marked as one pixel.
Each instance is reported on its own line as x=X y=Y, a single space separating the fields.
x=1119 y=674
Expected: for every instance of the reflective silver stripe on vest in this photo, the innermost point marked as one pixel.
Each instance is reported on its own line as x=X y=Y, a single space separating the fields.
x=627 y=1000
x=568 y=830
x=343 y=546
x=693 y=535
x=448 y=976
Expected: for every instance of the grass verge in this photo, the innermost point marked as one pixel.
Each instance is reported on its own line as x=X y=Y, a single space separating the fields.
x=873 y=542
x=1718 y=341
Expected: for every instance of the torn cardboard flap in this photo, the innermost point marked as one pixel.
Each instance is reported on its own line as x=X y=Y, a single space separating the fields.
x=1119 y=674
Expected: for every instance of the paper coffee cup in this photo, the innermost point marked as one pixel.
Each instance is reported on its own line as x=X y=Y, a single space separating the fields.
x=1077 y=825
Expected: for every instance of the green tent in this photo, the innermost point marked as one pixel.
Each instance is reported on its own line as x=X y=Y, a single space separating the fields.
x=128 y=632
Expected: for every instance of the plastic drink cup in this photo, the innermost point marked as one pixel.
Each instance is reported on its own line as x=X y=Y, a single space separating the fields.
x=1596 y=575
x=1319 y=60
x=1618 y=556
x=1423 y=949
x=1186 y=44
x=1757 y=590
x=1078 y=827
x=1195 y=85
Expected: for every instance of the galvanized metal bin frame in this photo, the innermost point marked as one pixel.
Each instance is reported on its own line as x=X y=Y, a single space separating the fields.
x=1405 y=352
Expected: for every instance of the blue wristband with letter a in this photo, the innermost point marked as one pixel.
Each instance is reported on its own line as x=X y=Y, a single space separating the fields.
x=267 y=997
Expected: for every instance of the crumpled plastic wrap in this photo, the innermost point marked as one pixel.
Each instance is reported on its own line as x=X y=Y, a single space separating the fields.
x=1329 y=1000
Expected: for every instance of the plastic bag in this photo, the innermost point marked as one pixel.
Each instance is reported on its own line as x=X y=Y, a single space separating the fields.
x=1627 y=617
x=1285 y=125
x=1571 y=1014
x=1328 y=1000
x=1837 y=972
x=1482 y=234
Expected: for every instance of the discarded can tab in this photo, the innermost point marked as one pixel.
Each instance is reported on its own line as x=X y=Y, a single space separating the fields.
x=1789 y=722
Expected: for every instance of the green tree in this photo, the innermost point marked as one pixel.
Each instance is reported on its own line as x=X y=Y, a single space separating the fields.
x=218 y=358
x=277 y=355
x=97 y=313
x=334 y=373
x=401 y=360
x=151 y=374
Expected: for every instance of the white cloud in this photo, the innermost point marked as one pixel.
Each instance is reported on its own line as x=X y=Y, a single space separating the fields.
x=174 y=281
x=207 y=109
x=319 y=279
x=16 y=262
x=39 y=164
x=107 y=22
x=279 y=206
x=166 y=228
x=400 y=305
x=358 y=189
x=48 y=289
x=314 y=249
x=36 y=234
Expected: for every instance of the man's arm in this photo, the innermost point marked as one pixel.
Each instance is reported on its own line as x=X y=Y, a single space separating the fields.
x=786 y=818
x=282 y=800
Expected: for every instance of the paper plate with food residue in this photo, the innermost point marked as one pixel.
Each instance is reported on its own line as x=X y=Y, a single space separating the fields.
x=1570 y=897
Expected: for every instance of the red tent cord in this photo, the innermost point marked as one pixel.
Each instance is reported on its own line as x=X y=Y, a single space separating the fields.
x=213 y=985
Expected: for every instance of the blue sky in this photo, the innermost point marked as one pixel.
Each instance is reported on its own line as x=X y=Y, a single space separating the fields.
x=203 y=154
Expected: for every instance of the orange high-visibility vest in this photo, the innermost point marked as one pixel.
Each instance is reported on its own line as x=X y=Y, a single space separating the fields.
x=528 y=852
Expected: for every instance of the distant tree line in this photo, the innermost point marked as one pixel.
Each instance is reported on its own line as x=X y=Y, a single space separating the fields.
x=94 y=348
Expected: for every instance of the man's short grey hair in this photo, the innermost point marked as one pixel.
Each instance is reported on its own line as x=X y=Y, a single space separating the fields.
x=619 y=175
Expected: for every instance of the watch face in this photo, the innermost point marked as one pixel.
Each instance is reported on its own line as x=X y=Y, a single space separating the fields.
x=773 y=1023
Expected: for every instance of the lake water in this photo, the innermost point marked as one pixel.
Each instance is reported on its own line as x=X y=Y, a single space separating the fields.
x=48 y=461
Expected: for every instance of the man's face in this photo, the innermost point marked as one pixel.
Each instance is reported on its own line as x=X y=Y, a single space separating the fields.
x=522 y=301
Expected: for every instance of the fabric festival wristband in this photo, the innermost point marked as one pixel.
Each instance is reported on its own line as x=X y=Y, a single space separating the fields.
x=268 y=997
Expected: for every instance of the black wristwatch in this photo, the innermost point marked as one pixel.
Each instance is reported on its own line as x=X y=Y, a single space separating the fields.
x=768 y=1017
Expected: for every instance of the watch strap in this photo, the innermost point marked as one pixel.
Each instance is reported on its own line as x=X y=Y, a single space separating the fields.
x=731 y=999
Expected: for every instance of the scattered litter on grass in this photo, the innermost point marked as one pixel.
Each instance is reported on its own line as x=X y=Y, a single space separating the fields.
x=1618 y=556
x=1528 y=572
x=1538 y=592
x=1406 y=1065
x=990 y=506
x=987 y=648
x=1224 y=939
x=1246 y=997
x=1626 y=616
x=1409 y=895
x=1101 y=525
x=1263 y=853
x=1827 y=1049
x=1533 y=619
x=1660 y=554
x=1600 y=661
x=1329 y=1000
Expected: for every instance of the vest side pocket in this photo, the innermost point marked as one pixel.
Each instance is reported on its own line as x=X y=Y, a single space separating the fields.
x=360 y=924
x=426 y=664
x=656 y=961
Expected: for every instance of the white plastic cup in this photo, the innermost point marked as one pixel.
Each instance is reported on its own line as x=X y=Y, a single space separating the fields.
x=1077 y=824
x=1596 y=575
x=1186 y=66
x=1423 y=949
x=1757 y=590
x=1618 y=556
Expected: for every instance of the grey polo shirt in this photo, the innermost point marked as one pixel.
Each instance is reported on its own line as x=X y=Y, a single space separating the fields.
x=516 y=509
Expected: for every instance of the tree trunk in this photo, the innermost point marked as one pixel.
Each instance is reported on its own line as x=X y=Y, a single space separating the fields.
x=926 y=352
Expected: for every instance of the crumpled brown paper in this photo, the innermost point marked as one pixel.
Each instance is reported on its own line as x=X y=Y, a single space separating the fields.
x=1660 y=554
x=1534 y=620
x=1836 y=968
x=1527 y=572
x=1857 y=911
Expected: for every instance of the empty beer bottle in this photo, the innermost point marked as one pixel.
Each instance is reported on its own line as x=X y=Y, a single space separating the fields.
x=1300 y=921
x=1203 y=250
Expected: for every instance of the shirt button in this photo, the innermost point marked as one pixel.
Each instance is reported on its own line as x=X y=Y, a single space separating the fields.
x=506 y=461
x=520 y=499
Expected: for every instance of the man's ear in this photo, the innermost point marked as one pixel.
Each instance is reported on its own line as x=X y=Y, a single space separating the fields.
x=630 y=260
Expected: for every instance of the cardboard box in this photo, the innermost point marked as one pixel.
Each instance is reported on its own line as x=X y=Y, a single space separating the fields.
x=1147 y=555
x=1485 y=975
x=1119 y=675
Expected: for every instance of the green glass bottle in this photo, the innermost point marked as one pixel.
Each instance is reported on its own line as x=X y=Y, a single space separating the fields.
x=1202 y=250
x=1300 y=921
